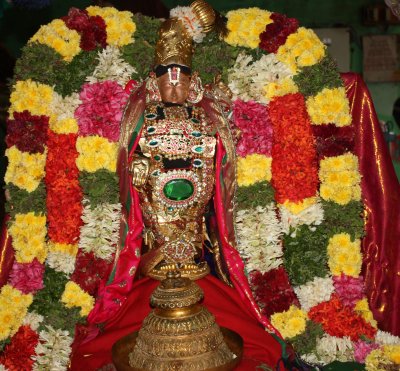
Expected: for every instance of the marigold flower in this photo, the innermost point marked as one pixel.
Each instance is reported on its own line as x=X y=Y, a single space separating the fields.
x=96 y=153
x=291 y=322
x=74 y=296
x=13 y=308
x=253 y=168
x=330 y=106
x=344 y=255
x=246 y=25
x=31 y=96
x=59 y=37
x=120 y=27
x=28 y=232
x=340 y=179
x=25 y=170
x=302 y=48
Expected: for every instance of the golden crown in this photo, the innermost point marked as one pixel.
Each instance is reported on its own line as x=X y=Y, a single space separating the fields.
x=175 y=44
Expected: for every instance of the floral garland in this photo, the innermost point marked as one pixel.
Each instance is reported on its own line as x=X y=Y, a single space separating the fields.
x=288 y=103
x=62 y=140
x=324 y=313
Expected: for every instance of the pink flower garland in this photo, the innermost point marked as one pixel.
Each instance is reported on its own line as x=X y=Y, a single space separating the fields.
x=252 y=120
x=349 y=289
x=101 y=110
x=27 y=277
x=362 y=349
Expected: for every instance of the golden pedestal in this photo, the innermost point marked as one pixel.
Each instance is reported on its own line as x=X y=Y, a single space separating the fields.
x=179 y=334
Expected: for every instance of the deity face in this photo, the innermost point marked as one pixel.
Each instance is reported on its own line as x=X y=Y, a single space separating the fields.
x=175 y=90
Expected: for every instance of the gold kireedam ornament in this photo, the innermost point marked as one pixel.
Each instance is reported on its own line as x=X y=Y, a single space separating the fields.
x=174 y=44
x=180 y=334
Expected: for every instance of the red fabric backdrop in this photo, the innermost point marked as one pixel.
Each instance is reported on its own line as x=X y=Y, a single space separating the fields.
x=381 y=193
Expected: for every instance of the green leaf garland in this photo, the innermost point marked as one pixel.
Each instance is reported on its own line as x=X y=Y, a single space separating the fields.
x=40 y=63
x=306 y=342
x=258 y=194
x=305 y=254
x=23 y=202
x=311 y=80
x=47 y=303
x=73 y=76
x=99 y=187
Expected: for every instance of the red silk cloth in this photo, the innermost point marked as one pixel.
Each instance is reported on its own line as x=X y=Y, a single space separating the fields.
x=381 y=196
x=6 y=253
x=221 y=300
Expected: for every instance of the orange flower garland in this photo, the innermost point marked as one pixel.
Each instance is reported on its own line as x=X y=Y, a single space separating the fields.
x=339 y=320
x=64 y=194
x=294 y=159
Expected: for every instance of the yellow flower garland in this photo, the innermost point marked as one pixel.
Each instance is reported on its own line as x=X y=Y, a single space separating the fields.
x=74 y=296
x=344 y=255
x=25 y=170
x=252 y=169
x=291 y=322
x=285 y=86
x=13 y=308
x=340 y=179
x=383 y=359
x=301 y=49
x=120 y=27
x=28 y=232
x=330 y=106
x=31 y=96
x=63 y=126
x=96 y=153
x=59 y=37
x=362 y=307
x=245 y=26
x=393 y=353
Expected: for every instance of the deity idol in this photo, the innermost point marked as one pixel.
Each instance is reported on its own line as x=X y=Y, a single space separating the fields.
x=177 y=176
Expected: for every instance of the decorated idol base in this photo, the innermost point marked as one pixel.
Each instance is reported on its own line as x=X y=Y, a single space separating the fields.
x=123 y=347
x=179 y=334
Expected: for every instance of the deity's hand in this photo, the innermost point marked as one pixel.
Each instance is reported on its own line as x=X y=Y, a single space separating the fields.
x=139 y=170
x=218 y=82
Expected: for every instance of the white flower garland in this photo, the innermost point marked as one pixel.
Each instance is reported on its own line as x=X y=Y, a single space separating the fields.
x=314 y=292
x=247 y=78
x=61 y=262
x=331 y=348
x=100 y=232
x=33 y=320
x=312 y=215
x=385 y=338
x=52 y=350
x=63 y=109
x=258 y=236
x=111 y=66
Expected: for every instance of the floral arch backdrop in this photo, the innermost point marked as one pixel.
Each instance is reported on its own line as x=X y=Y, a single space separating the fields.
x=299 y=220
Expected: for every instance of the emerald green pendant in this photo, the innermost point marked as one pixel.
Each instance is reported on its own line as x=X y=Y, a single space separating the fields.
x=178 y=189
